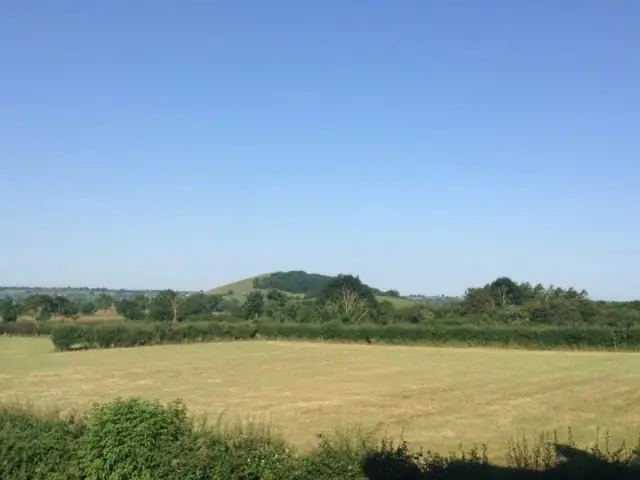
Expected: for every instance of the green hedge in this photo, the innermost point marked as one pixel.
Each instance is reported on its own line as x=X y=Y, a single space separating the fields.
x=137 y=439
x=25 y=328
x=130 y=334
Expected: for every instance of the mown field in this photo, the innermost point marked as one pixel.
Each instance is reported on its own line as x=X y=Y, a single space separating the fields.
x=436 y=397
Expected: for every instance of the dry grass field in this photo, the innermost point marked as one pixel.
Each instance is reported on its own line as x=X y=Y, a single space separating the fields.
x=435 y=397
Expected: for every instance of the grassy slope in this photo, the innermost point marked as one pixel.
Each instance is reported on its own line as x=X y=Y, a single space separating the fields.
x=436 y=397
x=241 y=287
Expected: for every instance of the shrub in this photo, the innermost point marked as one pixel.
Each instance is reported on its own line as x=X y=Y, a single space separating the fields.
x=34 y=447
x=135 y=439
x=66 y=335
x=25 y=328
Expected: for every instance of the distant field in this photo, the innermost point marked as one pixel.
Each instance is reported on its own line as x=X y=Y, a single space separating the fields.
x=98 y=317
x=434 y=397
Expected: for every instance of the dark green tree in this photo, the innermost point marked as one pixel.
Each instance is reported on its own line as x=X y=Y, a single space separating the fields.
x=104 y=301
x=335 y=288
x=9 y=310
x=199 y=304
x=254 y=305
x=131 y=309
x=88 y=308
x=505 y=291
x=165 y=306
x=40 y=306
x=477 y=301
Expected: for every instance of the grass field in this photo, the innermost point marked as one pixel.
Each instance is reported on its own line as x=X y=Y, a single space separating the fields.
x=434 y=397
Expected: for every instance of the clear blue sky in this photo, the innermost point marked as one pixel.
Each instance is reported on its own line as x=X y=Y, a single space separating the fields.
x=424 y=145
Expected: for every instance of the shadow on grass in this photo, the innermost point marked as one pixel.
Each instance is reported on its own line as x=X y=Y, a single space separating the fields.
x=573 y=464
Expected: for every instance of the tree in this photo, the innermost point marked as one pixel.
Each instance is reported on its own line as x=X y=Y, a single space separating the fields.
x=165 y=306
x=277 y=296
x=64 y=307
x=104 y=301
x=88 y=308
x=199 y=304
x=40 y=306
x=505 y=291
x=477 y=301
x=254 y=305
x=9 y=310
x=349 y=307
x=131 y=309
x=335 y=289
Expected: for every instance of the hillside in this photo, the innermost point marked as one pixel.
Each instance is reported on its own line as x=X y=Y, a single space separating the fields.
x=239 y=288
x=294 y=283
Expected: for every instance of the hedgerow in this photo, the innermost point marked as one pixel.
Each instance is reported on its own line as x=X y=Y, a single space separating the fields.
x=131 y=334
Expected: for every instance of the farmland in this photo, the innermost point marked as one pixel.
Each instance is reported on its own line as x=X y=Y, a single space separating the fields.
x=439 y=398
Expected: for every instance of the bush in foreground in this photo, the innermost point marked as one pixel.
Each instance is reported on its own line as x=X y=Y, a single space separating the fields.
x=142 y=440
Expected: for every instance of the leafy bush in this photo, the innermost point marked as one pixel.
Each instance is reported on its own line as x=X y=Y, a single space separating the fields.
x=34 y=447
x=135 y=439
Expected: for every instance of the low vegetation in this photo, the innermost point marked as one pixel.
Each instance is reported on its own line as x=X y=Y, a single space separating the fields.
x=135 y=439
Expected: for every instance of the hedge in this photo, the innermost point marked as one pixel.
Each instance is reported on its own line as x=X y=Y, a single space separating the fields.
x=130 y=334
x=137 y=439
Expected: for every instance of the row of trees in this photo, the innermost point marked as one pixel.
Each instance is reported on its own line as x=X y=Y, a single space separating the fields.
x=347 y=299
x=42 y=307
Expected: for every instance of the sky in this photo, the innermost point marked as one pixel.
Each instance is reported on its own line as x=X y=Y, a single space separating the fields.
x=427 y=146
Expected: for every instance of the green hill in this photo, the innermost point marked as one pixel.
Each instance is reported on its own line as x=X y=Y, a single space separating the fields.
x=294 y=283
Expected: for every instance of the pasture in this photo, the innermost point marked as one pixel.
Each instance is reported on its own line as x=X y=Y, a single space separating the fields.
x=435 y=397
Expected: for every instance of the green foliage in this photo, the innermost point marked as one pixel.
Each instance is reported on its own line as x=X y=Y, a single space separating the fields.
x=254 y=305
x=131 y=309
x=165 y=306
x=104 y=301
x=25 y=328
x=336 y=287
x=88 y=308
x=66 y=336
x=36 y=447
x=9 y=310
x=295 y=281
x=131 y=334
x=136 y=440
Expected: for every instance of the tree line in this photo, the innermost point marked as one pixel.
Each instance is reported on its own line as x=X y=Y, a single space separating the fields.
x=344 y=298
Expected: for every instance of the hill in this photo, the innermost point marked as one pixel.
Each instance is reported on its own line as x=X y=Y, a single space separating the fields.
x=295 y=283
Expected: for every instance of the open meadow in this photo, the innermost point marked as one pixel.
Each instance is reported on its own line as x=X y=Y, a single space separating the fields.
x=436 y=397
